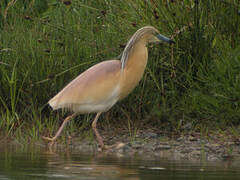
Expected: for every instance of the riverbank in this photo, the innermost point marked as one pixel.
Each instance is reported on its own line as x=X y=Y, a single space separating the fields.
x=153 y=144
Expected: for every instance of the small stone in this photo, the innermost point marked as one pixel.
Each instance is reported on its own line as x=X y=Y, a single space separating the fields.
x=164 y=143
x=162 y=147
x=185 y=151
x=212 y=158
x=180 y=139
x=150 y=135
x=198 y=148
x=192 y=138
x=196 y=153
x=230 y=143
x=176 y=144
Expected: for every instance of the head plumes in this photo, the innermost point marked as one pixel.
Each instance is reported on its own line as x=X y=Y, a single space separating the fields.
x=143 y=33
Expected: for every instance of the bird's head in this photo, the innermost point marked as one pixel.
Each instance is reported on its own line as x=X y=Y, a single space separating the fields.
x=142 y=37
x=150 y=34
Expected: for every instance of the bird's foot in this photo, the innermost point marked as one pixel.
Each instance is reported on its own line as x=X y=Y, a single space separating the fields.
x=51 y=140
x=111 y=147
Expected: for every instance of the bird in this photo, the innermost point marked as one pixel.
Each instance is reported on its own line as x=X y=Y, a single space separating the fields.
x=101 y=86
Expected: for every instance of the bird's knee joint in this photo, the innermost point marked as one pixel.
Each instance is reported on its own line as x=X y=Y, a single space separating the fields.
x=94 y=125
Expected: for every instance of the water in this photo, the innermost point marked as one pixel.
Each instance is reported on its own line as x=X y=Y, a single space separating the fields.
x=37 y=163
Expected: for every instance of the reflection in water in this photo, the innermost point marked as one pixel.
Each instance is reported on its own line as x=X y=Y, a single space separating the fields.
x=36 y=163
x=86 y=166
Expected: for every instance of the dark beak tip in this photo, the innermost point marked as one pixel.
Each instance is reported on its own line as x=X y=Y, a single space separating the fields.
x=166 y=39
x=172 y=42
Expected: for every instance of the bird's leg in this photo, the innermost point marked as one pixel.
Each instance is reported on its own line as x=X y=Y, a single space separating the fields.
x=52 y=140
x=99 y=138
x=94 y=126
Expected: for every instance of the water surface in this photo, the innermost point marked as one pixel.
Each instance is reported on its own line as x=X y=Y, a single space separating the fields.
x=38 y=163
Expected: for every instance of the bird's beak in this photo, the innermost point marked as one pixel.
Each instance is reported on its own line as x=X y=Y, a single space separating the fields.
x=165 y=39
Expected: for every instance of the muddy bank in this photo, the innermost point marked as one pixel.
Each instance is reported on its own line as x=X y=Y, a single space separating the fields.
x=152 y=145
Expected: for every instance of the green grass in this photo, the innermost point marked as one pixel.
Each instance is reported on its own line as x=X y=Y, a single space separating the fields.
x=45 y=44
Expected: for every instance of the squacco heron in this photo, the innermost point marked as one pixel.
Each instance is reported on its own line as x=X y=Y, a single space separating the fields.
x=100 y=87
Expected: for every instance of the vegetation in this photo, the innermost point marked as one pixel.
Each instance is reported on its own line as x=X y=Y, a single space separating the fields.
x=46 y=43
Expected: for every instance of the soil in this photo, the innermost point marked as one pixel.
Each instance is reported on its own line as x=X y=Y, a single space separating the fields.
x=213 y=147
